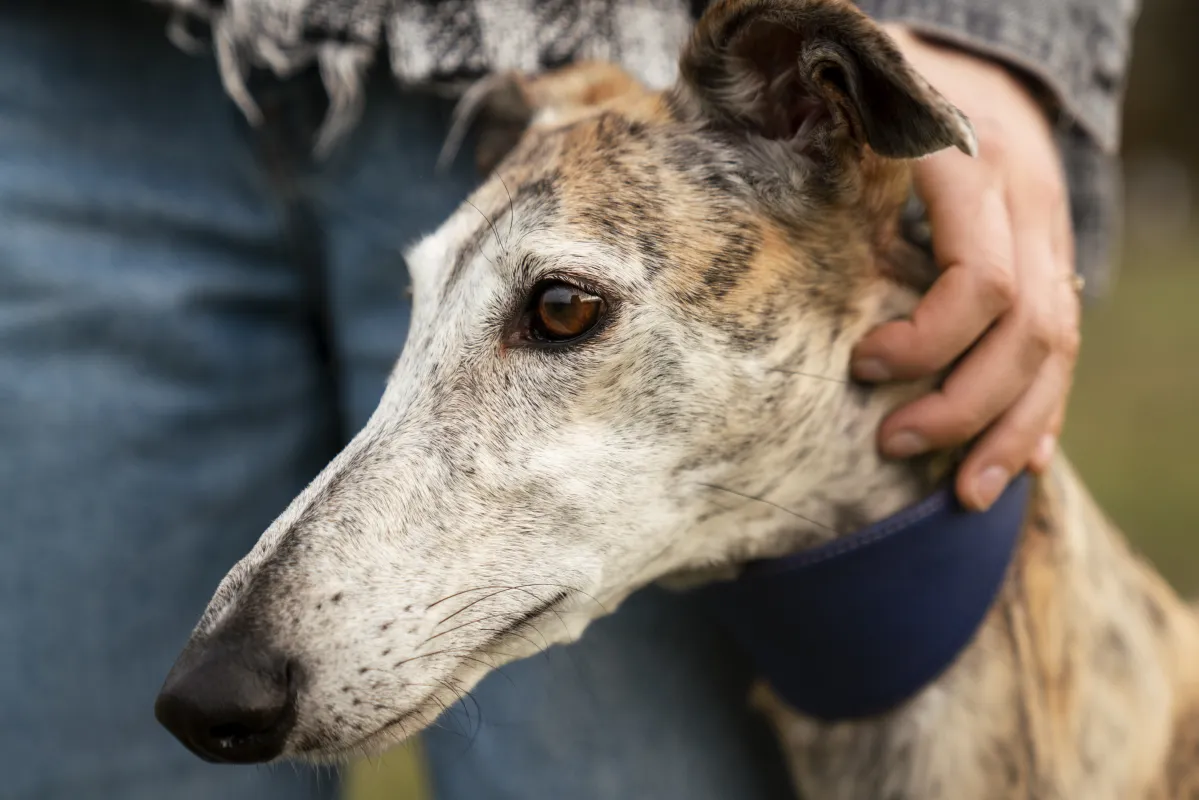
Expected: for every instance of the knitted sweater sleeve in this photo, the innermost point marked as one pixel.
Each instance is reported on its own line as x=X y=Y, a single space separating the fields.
x=1076 y=50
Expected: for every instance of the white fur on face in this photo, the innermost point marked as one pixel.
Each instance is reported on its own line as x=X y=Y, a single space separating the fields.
x=502 y=496
x=486 y=486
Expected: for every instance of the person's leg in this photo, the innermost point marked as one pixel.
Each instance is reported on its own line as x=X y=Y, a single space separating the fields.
x=160 y=401
x=377 y=194
x=651 y=703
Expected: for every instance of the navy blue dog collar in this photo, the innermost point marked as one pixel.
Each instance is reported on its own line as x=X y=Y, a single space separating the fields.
x=857 y=626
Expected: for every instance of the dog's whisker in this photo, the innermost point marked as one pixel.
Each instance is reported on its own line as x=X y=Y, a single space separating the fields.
x=497 y=615
x=499 y=242
x=521 y=587
x=449 y=650
x=511 y=206
x=469 y=605
x=545 y=650
x=795 y=514
x=462 y=696
x=436 y=603
x=565 y=588
x=809 y=375
x=501 y=587
x=445 y=710
x=404 y=661
x=432 y=696
x=541 y=648
x=491 y=667
x=523 y=620
x=511 y=617
x=529 y=232
x=562 y=594
x=477 y=660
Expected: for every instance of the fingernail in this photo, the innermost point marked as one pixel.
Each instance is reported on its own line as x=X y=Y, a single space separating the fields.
x=1044 y=452
x=990 y=483
x=905 y=444
x=871 y=370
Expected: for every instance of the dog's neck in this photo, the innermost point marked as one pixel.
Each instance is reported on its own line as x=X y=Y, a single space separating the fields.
x=858 y=485
x=862 y=487
x=873 y=487
x=836 y=480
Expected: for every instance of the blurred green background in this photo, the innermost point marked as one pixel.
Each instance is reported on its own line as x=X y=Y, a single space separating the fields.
x=1133 y=429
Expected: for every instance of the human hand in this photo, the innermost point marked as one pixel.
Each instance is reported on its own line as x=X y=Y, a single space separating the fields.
x=1003 y=240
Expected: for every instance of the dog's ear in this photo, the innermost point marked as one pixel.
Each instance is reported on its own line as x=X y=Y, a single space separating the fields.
x=503 y=105
x=813 y=74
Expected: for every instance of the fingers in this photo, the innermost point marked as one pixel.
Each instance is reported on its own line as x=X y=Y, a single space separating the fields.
x=1000 y=368
x=1004 y=377
x=1038 y=197
x=973 y=242
x=1068 y=345
x=1014 y=386
x=1004 y=450
x=981 y=388
x=1063 y=234
x=1004 y=304
x=1046 y=447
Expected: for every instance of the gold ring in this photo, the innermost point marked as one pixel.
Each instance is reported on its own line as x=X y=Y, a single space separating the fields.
x=1079 y=283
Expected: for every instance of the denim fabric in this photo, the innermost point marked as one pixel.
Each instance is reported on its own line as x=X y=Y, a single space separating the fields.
x=193 y=318
x=649 y=705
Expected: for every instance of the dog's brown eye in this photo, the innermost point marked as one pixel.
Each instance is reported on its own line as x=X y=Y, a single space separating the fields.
x=562 y=312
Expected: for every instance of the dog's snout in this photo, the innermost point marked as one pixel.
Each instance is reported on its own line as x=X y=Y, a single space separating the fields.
x=230 y=699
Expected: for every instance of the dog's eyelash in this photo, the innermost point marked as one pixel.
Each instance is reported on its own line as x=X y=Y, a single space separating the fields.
x=569 y=278
x=518 y=320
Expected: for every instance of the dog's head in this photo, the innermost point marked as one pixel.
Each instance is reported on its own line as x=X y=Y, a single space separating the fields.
x=626 y=361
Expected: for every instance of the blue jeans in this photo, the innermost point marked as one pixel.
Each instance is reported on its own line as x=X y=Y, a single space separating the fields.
x=193 y=318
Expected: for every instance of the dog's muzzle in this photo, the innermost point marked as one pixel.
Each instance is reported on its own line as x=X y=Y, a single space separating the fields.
x=230 y=698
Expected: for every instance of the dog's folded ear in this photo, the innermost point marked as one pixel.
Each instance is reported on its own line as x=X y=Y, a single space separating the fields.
x=813 y=74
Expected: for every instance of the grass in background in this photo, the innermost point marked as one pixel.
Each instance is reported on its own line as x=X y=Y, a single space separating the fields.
x=397 y=776
x=1133 y=426
x=1132 y=432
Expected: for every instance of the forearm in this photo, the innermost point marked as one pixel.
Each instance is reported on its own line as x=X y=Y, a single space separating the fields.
x=1076 y=51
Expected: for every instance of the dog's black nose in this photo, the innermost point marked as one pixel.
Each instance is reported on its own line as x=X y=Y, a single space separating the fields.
x=229 y=699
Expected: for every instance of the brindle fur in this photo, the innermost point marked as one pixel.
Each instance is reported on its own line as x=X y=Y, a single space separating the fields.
x=744 y=228
x=1082 y=683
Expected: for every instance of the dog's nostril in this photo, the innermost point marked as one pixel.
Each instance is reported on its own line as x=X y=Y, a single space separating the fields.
x=232 y=731
x=230 y=741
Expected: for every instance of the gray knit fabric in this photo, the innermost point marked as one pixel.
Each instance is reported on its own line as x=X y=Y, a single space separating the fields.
x=1074 y=51
x=445 y=42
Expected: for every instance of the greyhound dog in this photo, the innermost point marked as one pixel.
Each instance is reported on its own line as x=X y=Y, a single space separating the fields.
x=624 y=367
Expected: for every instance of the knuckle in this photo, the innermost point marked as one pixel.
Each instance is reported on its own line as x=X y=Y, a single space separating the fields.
x=999 y=283
x=1035 y=330
x=1024 y=430
x=995 y=150
x=1046 y=186
x=931 y=361
x=1042 y=333
x=922 y=359
x=961 y=423
x=992 y=137
x=1070 y=341
x=1014 y=445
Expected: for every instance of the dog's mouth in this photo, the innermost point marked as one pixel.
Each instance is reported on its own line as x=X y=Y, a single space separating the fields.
x=419 y=711
x=528 y=618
